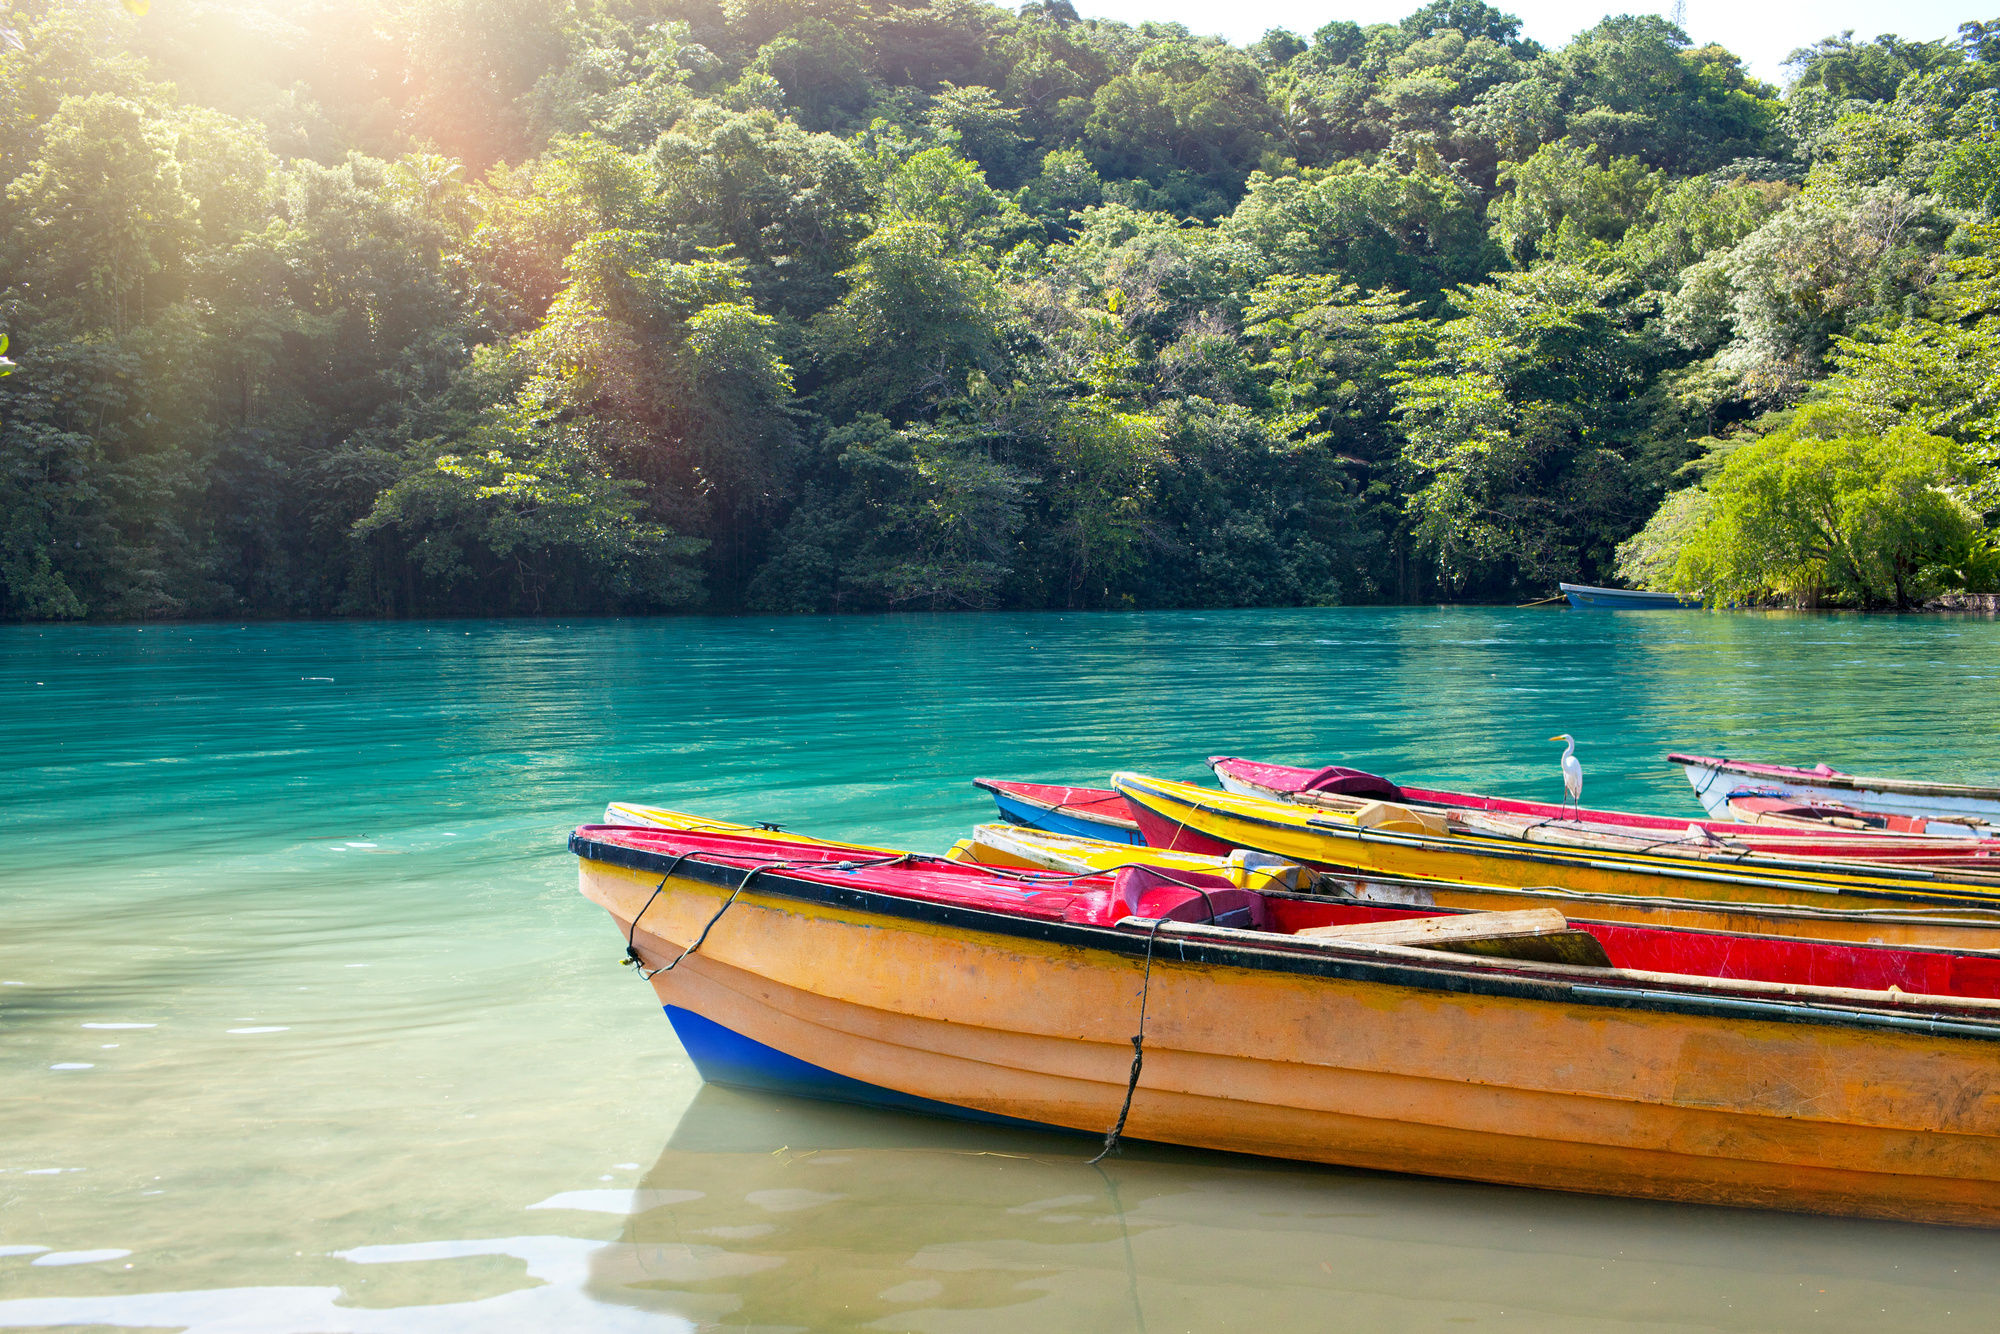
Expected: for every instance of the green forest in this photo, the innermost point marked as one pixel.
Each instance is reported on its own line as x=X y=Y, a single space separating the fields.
x=535 y=307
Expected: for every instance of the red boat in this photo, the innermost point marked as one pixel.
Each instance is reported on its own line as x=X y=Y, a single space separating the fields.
x=1084 y=812
x=1336 y=786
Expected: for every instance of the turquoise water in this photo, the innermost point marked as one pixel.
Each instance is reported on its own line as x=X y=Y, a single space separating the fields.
x=391 y=1079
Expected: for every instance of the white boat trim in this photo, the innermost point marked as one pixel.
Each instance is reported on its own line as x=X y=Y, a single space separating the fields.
x=1630 y=599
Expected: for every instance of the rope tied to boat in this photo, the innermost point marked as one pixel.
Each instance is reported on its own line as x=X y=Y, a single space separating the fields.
x=632 y=956
x=1138 y=1050
x=632 y=950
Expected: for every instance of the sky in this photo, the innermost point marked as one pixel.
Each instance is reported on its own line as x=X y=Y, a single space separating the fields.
x=1762 y=32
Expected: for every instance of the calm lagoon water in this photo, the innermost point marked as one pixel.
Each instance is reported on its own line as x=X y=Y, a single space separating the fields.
x=305 y=1028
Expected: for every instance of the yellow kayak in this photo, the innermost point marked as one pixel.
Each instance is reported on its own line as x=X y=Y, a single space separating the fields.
x=659 y=817
x=1959 y=927
x=1044 y=850
x=999 y=845
x=1391 y=840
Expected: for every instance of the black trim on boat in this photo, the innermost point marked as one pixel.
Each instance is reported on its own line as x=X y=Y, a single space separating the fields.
x=1265 y=958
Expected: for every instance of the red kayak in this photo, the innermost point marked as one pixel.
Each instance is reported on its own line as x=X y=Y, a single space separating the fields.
x=1280 y=782
x=1084 y=812
x=1092 y=812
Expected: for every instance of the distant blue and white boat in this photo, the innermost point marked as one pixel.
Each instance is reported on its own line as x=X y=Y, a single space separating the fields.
x=1586 y=598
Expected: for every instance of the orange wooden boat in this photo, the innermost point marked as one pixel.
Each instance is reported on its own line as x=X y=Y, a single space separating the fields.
x=1782 y=1074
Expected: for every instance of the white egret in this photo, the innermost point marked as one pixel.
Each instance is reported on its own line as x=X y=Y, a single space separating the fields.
x=1572 y=771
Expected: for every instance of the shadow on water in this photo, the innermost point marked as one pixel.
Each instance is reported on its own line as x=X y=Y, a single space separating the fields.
x=766 y=1212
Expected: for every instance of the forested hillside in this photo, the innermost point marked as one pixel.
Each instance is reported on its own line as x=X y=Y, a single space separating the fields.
x=397 y=307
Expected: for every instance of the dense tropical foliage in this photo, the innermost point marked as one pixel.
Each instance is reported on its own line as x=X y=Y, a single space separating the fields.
x=395 y=307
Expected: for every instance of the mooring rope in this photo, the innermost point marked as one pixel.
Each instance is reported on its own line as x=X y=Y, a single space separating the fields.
x=632 y=952
x=1111 y=1136
x=1138 y=1050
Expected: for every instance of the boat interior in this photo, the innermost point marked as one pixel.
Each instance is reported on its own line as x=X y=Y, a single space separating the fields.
x=1146 y=898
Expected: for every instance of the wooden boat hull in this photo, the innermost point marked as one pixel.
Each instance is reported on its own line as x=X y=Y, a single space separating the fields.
x=1585 y=597
x=1368 y=1063
x=1181 y=817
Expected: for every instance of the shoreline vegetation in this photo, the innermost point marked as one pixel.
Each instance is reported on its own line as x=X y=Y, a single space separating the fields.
x=398 y=308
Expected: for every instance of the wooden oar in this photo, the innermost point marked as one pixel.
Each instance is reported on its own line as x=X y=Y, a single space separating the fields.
x=1539 y=934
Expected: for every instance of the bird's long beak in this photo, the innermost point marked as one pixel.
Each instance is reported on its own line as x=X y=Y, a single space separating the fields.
x=1555 y=738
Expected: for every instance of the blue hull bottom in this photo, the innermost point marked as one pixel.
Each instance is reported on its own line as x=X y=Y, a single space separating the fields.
x=724 y=1056
x=1061 y=822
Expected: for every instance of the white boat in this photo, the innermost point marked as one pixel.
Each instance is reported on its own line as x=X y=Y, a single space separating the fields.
x=1586 y=597
x=1948 y=808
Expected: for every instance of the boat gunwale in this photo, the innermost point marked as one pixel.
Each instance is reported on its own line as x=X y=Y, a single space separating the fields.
x=1597 y=860
x=1909 y=787
x=1345 y=961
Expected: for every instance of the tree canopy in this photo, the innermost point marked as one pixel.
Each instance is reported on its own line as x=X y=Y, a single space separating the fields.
x=400 y=307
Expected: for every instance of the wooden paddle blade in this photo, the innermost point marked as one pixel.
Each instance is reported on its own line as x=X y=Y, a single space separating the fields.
x=1448 y=929
x=1535 y=935
x=1578 y=947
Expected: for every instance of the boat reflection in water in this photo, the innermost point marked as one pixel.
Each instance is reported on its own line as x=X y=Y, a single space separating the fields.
x=828 y=1217
x=770 y=1213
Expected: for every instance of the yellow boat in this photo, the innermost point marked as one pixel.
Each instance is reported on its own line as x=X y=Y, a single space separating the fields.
x=1958 y=928
x=994 y=845
x=660 y=817
x=1045 y=850
x=1012 y=997
x=1963 y=927
x=1400 y=841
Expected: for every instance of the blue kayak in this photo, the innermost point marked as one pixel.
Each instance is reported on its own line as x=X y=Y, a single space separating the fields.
x=1081 y=812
